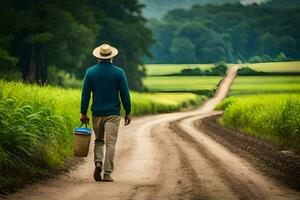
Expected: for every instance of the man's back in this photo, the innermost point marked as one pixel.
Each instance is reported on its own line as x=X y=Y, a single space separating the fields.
x=106 y=82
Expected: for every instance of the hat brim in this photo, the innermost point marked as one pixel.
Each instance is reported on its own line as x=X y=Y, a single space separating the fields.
x=96 y=53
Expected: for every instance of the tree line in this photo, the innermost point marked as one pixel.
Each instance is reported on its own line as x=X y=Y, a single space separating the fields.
x=157 y=8
x=229 y=32
x=38 y=34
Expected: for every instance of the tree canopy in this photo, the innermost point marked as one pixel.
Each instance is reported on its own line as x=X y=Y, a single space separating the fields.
x=157 y=8
x=36 y=34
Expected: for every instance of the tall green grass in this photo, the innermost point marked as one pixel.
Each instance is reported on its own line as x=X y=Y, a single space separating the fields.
x=36 y=126
x=35 y=130
x=272 y=117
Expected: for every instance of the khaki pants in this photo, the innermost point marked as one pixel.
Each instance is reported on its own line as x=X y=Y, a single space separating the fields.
x=106 y=131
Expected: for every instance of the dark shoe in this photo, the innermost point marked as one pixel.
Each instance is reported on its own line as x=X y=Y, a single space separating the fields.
x=97 y=171
x=107 y=178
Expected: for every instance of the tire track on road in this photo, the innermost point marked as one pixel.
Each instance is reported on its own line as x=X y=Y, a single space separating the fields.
x=236 y=185
x=247 y=181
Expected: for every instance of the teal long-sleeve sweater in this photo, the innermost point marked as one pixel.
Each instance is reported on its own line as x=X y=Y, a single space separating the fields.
x=108 y=84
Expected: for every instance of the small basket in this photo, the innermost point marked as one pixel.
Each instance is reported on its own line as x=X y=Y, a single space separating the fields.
x=81 y=141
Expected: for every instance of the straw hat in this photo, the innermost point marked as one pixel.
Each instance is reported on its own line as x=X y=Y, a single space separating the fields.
x=105 y=51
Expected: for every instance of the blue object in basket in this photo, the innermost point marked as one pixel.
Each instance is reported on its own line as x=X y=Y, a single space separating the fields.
x=83 y=131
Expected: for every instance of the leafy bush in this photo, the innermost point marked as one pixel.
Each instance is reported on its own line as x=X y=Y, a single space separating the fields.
x=219 y=69
x=275 y=118
x=266 y=58
x=10 y=75
x=282 y=57
x=247 y=71
x=191 y=72
x=255 y=59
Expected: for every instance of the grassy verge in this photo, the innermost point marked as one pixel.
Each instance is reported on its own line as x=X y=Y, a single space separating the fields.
x=35 y=131
x=271 y=117
x=36 y=126
x=150 y=103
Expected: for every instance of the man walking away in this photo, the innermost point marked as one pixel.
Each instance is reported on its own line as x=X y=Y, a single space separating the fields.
x=108 y=84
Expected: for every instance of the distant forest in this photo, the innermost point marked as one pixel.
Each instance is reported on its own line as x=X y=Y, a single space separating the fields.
x=157 y=8
x=230 y=32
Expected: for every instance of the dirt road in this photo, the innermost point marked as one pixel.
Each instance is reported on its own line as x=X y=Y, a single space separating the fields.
x=166 y=157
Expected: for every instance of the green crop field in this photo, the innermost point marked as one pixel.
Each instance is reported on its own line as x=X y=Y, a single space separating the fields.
x=272 y=117
x=265 y=84
x=36 y=125
x=163 y=69
x=181 y=83
x=292 y=66
x=156 y=83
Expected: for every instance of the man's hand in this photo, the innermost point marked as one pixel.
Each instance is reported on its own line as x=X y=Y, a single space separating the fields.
x=84 y=119
x=127 y=119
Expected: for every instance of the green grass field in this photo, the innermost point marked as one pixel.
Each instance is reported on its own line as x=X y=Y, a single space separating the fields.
x=36 y=126
x=271 y=117
x=292 y=66
x=181 y=83
x=242 y=85
x=265 y=84
x=163 y=69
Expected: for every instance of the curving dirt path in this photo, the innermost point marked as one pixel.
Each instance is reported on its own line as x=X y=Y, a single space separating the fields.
x=166 y=157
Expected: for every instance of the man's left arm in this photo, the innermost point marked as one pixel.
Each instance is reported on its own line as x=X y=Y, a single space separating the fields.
x=85 y=98
x=125 y=98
